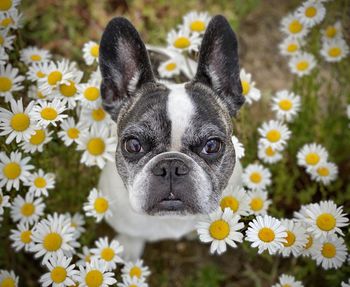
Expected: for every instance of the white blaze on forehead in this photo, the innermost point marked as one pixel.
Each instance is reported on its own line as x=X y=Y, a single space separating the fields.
x=180 y=110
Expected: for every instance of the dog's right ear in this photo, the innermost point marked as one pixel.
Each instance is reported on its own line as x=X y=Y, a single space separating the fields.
x=124 y=64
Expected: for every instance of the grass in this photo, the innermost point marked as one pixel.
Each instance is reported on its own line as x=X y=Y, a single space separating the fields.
x=64 y=26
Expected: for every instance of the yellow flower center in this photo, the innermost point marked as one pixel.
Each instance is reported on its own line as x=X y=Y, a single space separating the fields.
x=96 y=146
x=12 y=170
x=92 y=93
x=292 y=48
x=20 y=122
x=58 y=274
x=98 y=114
x=219 y=229
x=285 y=104
x=52 y=241
x=27 y=209
x=309 y=242
x=68 y=90
x=101 y=205
x=255 y=177
x=326 y=222
x=182 y=43
x=5 y=5
x=26 y=236
x=310 y=12
x=269 y=151
x=94 y=51
x=107 y=254
x=1 y=199
x=35 y=58
x=40 y=95
x=331 y=31
x=312 y=158
x=256 y=204
x=229 y=201
x=38 y=137
x=290 y=239
x=334 y=52
x=6 y=22
x=1 y=40
x=135 y=271
x=40 y=182
x=73 y=133
x=197 y=26
x=94 y=278
x=54 y=77
x=286 y=285
x=40 y=74
x=5 y=84
x=323 y=171
x=295 y=27
x=328 y=250
x=302 y=65
x=266 y=234
x=170 y=67
x=245 y=87
x=8 y=282
x=48 y=113
x=273 y=136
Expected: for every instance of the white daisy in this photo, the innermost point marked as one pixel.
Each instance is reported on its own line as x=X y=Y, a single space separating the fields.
x=17 y=123
x=239 y=148
x=344 y=284
x=311 y=13
x=170 y=68
x=268 y=154
x=96 y=76
x=256 y=176
x=248 y=87
x=275 y=133
x=183 y=40
x=136 y=269
x=77 y=221
x=10 y=81
x=13 y=169
x=6 y=41
x=132 y=282
x=296 y=238
x=302 y=64
x=334 y=50
x=286 y=105
x=97 y=146
x=266 y=233
x=45 y=113
x=7 y=5
x=333 y=31
x=52 y=236
x=4 y=57
x=219 y=229
x=310 y=246
x=37 y=71
x=28 y=209
x=258 y=202
x=288 y=281
x=331 y=253
x=97 y=205
x=61 y=272
x=292 y=26
x=36 y=94
x=8 y=278
x=196 y=22
x=21 y=237
x=37 y=141
x=11 y=19
x=85 y=256
x=91 y=52
x=4 y=202
x=326 y=218
x=95 y=274
x=236 y=199
x=109 y=253
x=39 y=183
x=68 y=92
x=33 y=54
x=324 y=172
x=290 y=46
x=89 y=94
x=71 y=131
x=312 y=155
x=95 y=117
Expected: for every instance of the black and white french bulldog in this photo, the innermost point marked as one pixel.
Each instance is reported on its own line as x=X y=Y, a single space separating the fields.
x=175 y=155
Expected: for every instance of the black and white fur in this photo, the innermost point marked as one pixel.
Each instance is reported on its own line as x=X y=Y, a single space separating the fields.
x=161 y=191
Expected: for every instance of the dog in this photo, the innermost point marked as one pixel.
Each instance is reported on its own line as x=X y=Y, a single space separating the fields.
x=174 y=155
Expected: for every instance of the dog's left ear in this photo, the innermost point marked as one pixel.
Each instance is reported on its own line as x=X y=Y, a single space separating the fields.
x=124 y=64
x=218 y=65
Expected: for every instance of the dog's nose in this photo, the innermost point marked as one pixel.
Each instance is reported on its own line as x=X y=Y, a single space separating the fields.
x=174 y=167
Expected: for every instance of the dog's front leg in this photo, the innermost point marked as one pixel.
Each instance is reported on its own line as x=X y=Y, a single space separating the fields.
x=133 y=247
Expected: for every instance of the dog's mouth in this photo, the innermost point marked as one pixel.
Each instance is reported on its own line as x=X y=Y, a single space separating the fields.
x=171 y=203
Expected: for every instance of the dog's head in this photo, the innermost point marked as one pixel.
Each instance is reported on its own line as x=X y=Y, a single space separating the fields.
x=174 y=152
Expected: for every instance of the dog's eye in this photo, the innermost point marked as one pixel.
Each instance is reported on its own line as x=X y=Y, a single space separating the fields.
x=212 y=146
x=133 y=146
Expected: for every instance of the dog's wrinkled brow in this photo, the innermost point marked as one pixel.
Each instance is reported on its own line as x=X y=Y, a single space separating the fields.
x=136 y=130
